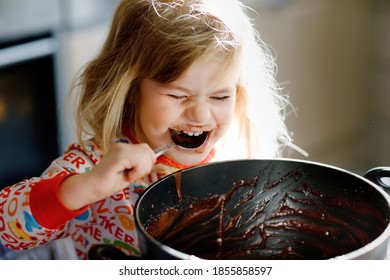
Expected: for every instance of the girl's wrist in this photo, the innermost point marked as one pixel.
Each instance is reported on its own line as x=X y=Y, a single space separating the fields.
x=74 y=192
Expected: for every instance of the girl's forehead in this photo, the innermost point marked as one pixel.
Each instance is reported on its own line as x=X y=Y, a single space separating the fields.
x=168 y=70
x=228 y=63
x=208 y=70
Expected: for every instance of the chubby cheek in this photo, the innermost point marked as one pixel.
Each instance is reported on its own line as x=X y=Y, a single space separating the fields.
x=224 y=117
x=155 y=117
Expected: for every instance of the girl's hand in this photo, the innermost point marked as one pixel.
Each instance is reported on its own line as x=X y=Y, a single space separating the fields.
x=122 y=164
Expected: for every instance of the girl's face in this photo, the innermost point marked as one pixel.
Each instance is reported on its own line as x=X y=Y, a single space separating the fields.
x=195 y=110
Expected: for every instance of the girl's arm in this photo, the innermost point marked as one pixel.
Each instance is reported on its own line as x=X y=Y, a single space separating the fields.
x=38 y=210
x=25 y=221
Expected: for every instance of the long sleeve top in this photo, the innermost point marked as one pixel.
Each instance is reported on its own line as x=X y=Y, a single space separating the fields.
x=31 y=213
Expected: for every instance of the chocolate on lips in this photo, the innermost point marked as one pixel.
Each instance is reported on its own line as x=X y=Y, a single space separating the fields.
x=283 y=219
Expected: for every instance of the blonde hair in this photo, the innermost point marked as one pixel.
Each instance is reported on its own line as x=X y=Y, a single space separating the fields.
x=160 y=39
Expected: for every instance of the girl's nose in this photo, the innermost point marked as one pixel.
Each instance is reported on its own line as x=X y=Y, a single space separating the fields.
x=198 y=112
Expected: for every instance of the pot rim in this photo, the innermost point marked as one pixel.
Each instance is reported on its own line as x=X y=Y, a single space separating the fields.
x=382 y=240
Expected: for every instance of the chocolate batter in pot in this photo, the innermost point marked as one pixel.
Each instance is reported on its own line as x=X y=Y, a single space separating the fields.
x=283 y=219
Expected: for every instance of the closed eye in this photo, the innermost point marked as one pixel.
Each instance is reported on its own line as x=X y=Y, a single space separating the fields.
x=177 y=97
x=221 y=98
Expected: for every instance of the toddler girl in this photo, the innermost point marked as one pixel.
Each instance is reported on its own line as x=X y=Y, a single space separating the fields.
x=189 y=72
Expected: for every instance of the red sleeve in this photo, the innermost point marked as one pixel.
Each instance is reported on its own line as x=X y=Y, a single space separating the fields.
x=46 y=205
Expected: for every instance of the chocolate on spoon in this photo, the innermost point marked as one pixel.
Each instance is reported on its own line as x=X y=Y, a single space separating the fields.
x=184 y=140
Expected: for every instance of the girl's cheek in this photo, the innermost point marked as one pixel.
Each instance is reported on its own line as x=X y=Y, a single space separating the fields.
x=167 y=115
x=225 y=114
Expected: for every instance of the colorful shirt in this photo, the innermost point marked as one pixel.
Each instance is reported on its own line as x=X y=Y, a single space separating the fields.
x=31 y=213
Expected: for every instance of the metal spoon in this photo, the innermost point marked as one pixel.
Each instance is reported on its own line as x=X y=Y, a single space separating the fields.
x=159 y=151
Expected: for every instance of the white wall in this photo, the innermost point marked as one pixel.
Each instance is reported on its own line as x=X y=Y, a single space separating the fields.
x=77 y=48
x=377 y=149
x=323 y=57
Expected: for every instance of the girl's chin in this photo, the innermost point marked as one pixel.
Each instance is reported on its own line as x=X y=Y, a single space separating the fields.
x=188 y=156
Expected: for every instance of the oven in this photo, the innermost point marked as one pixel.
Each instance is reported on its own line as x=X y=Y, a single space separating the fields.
x=28 y=118
x=39 y=56
x=28 y=88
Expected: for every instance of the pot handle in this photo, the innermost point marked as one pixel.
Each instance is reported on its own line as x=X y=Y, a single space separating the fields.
x=380 y=176
x=107 y=252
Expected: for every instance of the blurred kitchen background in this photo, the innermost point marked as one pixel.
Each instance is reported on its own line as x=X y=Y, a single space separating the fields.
x=333 y=61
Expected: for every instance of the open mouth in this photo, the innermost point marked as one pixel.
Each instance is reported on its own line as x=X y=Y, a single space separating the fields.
x=189 y=139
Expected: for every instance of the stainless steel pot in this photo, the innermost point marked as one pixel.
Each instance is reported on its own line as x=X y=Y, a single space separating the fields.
x=288 y=209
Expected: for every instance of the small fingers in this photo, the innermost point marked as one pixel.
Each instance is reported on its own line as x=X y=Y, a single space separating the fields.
x=142 y=161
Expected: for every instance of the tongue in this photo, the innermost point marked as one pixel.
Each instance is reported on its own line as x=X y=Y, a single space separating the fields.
x=188 y=142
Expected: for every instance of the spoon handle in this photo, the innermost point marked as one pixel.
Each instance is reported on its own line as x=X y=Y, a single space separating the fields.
x=159 y=151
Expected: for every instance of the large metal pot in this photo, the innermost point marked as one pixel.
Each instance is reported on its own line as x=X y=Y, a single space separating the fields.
x=279 y=209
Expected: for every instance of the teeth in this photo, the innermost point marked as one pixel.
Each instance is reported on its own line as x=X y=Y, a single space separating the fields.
x=191 y=133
